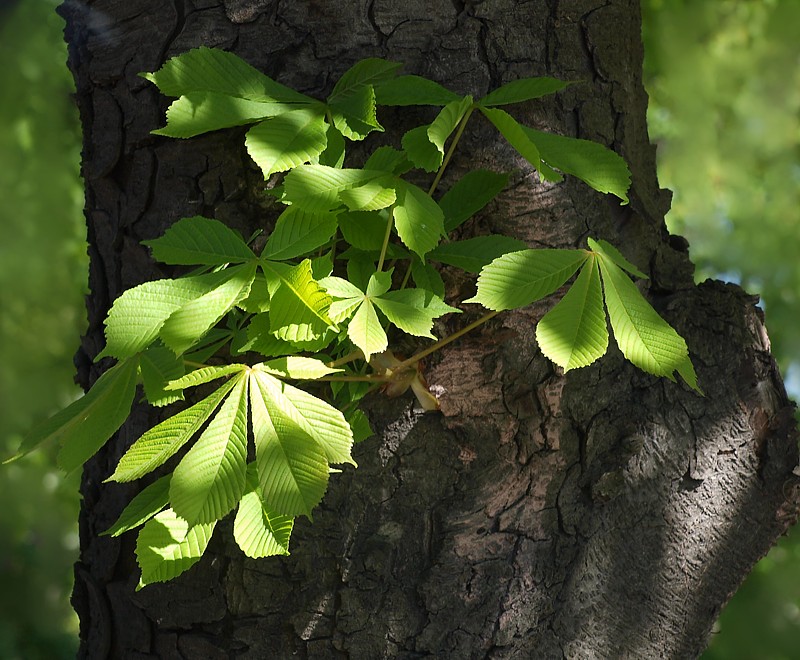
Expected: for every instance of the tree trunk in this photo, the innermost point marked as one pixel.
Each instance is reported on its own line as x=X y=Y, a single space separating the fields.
x=601 y=514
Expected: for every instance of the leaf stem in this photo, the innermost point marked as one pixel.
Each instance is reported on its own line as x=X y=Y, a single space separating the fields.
x=385 y=246
x=354 y=355
x=443 y=342
x=461 y=126
x=406 y=276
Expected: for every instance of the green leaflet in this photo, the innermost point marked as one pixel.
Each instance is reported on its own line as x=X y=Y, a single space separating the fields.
x=292 y=469
x=365 y=330
x=521 y=90
x=200 y=241
x=209 y=481
x=355 y=116
x=297 y=232
x=196 y=113
x=213 y=70
x=159 y=366
x=412 y=90
x=366 y=73
x=388 y=159
x=446 y=121
x=316 y=188
x=363 y=229
x=520 y=278
x=372 y=196
x=644 y=338
x=142 y=507
x=319 y=420
x=515 y=135
x=259 y=531
x=335 y=150
x=469 y=195
x=413 y=310
x=186 y=325
x=85 y=425
x=418 y=219
x=137 y=316
x=574 y=333
x=427 y=277
x=592 y=163
x=299 y=307
x=167 y=546
x=161 y=442
x=204 y=375
x=288 y=140
x=473 y=254
x=610 y=252
x=298 y=367
x=420 y=150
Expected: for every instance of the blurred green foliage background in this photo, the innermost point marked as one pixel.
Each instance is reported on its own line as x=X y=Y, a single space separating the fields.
x=724 y=81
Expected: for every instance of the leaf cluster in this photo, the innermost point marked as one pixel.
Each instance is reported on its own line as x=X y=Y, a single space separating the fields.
x=310 y=319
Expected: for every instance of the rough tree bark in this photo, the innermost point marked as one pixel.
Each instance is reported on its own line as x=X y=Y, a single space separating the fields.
x=603 y=514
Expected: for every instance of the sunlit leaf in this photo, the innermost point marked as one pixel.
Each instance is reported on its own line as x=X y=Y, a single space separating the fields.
x=209 y=481
x=167 y=547
x=610 y=252
x=316 y=188
x=204 y=375
x=299 y=307
x=646 y=339
x=372 y=196
x=446 y=121
x=297 y=232
x=193 y=319
x=200 y=241
x=298 y=367
x=365 y=330
x=420 y=150
x=259 y=531
x=574 y=333
x=288 y=140
x=592 y=163
x=413 y=310
x=161 y=442
x=520 y=278
x=213 y=70
x=418 y=219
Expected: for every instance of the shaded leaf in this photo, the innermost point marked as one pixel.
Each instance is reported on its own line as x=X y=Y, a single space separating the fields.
x=413 y=90
x=316 y=188
x=158 y=367
x=469 y=195
x=473 y=254
x=297 y=232
x=447 y=120
x=523 y=89
x=420 y=150
x=142 y=507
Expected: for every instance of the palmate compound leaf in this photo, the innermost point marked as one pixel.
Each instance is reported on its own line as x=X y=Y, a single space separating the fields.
x=209 y=481
x=292 y=468
x=167 y=546
x=574 y=333
x=203 y=375
x=85 y=425
x=297 y=232
x=200 y=241
x=324 y=423
x=413 y=310
x=161 y=442
x=186 y=325
x=365 y=330
x=592 y=163
x=520 y=278
x=288 y=140
x=137 y=316
x=217 y=71
x=141 y=508
x=259 y=531
x=644 y=338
